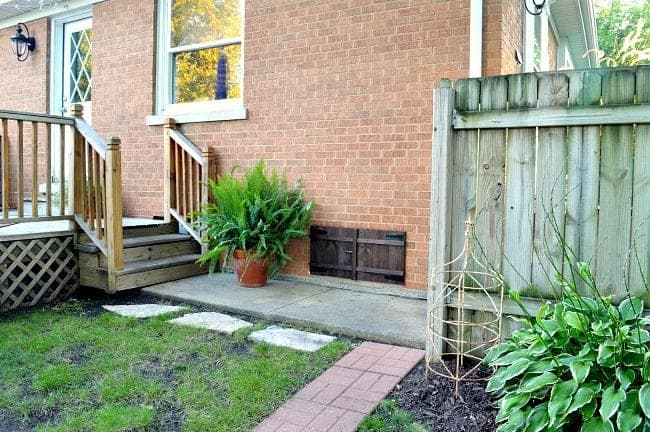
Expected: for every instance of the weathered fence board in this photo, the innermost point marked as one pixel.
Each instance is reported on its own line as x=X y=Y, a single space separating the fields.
x=614 y=219
x=463 y=173
x=583 y=169
x=549 y=186
x=520 y=172
x=491 y=171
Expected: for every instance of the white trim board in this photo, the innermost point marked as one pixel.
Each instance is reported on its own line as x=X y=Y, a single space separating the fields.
x=476 y=39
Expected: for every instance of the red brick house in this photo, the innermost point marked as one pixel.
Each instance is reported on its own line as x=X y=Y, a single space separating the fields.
x=338 y=93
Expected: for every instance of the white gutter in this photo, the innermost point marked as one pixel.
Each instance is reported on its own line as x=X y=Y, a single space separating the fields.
x=476 y=39
x=588 y=19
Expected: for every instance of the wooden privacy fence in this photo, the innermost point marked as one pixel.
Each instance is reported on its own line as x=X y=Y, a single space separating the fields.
x=187 y=170
x=522 y=153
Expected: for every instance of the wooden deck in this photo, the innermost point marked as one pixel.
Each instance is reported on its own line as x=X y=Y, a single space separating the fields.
x=15 y=231
x=86 y=237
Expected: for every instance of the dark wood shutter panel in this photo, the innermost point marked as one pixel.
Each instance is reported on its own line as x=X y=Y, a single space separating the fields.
x=331 y=252
x=369 y=255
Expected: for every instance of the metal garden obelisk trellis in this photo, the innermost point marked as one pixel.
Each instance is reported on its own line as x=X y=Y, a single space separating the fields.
x=457 y=334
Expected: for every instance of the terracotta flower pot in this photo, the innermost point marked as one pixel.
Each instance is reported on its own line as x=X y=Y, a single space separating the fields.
x=250 y=273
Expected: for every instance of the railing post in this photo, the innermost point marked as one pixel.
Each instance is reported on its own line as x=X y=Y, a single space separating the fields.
x=209 y=163
x=113 y=210
x=209 y=171
x=169 y=187
x=74 y=140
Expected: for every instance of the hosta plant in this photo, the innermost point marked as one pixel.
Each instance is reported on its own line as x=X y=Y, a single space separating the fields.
x=580 y=364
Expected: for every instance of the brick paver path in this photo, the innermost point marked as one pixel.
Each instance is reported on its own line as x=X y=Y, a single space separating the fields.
x=338 y=400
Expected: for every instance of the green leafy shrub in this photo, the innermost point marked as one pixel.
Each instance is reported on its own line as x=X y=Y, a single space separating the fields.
x=578 y=365
x=257 y=212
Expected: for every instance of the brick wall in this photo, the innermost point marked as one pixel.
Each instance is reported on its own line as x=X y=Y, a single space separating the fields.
x=25 y=87
x=123 y=88
x=502 y=35
x=511 y=36
x=339 y=94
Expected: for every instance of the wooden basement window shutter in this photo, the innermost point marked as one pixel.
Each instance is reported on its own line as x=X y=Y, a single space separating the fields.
x=367 y=255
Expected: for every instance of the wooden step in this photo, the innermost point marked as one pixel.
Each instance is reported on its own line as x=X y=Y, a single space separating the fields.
x=142 y=248
x=150 y=230
x=143 y=273
x=139 y=231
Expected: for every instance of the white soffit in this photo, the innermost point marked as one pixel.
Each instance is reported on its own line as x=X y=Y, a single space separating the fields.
x=15 y=11
x=575 y=23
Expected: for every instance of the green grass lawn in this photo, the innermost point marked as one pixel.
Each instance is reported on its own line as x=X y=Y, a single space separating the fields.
x=61 y=370
x=389 y=418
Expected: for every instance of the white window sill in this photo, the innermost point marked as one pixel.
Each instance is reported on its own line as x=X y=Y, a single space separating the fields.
x=239 y=113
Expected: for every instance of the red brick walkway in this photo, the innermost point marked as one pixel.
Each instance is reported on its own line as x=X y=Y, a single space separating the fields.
x=339 y=399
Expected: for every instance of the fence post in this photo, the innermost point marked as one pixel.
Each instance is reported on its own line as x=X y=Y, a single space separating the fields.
x=73 y=139
x=113 y=211
x=439 y=226
x=170 y=177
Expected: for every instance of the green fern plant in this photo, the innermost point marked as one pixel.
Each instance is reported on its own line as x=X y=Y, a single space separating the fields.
x=258 y=212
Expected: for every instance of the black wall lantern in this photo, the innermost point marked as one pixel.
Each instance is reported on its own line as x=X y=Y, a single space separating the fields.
x=536 y=7
x=20 y=44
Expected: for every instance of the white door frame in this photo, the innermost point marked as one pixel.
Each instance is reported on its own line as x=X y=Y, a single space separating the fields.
x=56 y=56
x=56 y=85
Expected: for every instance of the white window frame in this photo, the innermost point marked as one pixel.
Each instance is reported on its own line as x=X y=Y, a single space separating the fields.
x=190 y=112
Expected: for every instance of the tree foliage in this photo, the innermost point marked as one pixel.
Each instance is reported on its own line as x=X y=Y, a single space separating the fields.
x=624 y=33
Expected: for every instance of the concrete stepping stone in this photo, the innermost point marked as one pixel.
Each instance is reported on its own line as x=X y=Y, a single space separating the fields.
x=142 y=310
x=212 y=321
x=291 y=338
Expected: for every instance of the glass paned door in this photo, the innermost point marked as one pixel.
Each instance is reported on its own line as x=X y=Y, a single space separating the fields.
x=77 y=65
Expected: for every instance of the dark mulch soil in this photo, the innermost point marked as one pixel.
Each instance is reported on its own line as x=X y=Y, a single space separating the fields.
x=433 y=401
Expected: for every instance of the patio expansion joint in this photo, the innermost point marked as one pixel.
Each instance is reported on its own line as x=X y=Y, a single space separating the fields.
x=272 y=311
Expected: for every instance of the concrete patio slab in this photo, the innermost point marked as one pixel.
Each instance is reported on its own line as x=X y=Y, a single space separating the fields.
x=378 y=317
x=212 y=321
x=142 y=310
x=291 y=338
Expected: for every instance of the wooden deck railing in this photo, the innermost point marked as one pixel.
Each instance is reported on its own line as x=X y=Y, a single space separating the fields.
x=91 y=195
x=97 y=190
x=22 y=172
x=187 y=170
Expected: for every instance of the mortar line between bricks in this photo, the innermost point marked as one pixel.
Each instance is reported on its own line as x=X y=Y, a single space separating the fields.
x=299 y=300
